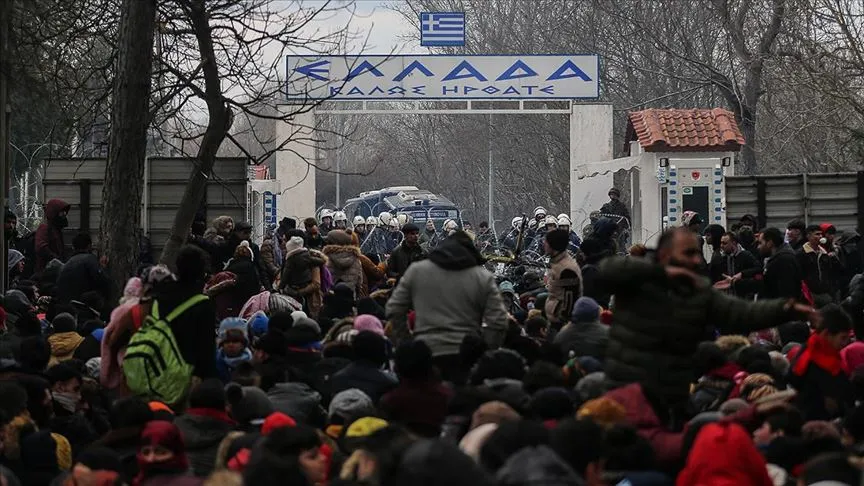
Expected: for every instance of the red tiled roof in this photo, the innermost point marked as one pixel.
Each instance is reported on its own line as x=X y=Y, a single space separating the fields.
x=685 y=130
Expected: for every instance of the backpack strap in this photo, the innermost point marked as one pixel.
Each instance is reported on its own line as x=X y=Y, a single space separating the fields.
x=136 y=316
x=185 y=306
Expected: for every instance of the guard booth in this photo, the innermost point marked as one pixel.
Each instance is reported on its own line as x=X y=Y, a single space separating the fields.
x=677 y=162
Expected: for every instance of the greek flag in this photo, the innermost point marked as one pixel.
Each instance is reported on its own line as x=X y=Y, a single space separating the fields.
x=442 y=29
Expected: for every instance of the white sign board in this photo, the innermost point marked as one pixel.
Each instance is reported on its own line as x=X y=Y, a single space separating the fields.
x=443 y=77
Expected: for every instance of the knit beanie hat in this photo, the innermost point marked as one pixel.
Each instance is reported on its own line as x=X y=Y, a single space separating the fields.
x=733 y=406
x=231 y=324
x=338 y=237
x=308 y=323
x=592 y=386
x=605 y=411
x=494 y=412
x=368 y=323
x=293 y=244
x=585 y=309
x=258 y=324
x=351 y=404
x=276 y=420
x=243 y=249
x=365 y=427
x=64 y=322
x=367 y=305
x=15 y=257
x=248 y=403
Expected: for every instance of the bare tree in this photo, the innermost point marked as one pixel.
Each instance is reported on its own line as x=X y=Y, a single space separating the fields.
x=124 y=171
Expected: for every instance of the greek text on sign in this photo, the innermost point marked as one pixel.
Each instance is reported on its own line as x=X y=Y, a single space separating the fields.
x=443 y=77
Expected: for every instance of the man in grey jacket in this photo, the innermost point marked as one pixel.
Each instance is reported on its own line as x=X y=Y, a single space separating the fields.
x=452 y=296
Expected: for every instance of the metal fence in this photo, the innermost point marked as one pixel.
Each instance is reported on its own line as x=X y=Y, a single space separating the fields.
x=79 y=182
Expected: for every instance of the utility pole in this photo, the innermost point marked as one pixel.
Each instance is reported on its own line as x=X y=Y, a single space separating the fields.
x=338 y=185
x=491 y=184
x=5 y=11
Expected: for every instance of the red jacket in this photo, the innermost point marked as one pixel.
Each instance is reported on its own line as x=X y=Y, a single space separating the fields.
x=49 y=237
x=724 y=455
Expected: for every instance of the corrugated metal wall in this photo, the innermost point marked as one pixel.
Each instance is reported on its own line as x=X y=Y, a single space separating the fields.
x=815 y=198
x=79 y=183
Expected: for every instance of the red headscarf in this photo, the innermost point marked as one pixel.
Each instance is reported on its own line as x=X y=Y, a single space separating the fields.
x=167 y=435
x=820 y=352
x=724 y=455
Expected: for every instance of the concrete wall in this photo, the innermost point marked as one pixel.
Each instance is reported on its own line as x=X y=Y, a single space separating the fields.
x=296 y=177
x=590 y=141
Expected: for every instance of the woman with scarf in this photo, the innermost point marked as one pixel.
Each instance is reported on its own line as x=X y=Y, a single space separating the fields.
x=162 y=457
x=824 y=390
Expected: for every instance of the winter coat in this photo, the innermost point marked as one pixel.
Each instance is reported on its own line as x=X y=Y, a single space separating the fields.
x=724 y=454
x=298 y=401
x=203 y=430
x=81 y=274
x=659 y=322
x=421 y=407
x=401 y=258
x=584 y=339
x=742 y=261
x=267 y=264
x=565 y=286
x=366 y=377
x=641 y=416
x=452 y=296
x=617 y=208
x=297 y=273
x=49 y=237
x=820 y=270
x=89 y=348
x=194 y=329
x=782 y=277
x=374 y=277
x=247 y=283
x=824 y=390
x=344 y=264
x=63 y=346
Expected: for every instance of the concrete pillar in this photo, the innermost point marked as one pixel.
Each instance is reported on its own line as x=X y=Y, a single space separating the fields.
x=590 y=141
x=296 y=177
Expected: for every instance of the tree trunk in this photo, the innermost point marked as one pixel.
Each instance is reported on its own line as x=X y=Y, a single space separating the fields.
x=217 y=128
x=748 y=151
x=124 y=172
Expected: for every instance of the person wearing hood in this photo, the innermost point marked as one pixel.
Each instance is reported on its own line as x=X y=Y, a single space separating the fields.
x=243 y=266
x=584 y=335
x=724 y=454
x=15 y=268
x=82 y=273
x=233 y=347
x=564 y=280
x=300 y=276
x=65 y=340
x=69 y=418
x=366 y=372
x=343 y=261
x=453 y=296
x=49 y=236
x=204 y=424
x=162 y=458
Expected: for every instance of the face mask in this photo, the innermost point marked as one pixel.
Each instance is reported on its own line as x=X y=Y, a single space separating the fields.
x=61 y=221
x=68 y=401
x=823 y=241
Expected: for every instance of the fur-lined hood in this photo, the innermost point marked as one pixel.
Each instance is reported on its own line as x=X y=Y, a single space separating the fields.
x=342 y=256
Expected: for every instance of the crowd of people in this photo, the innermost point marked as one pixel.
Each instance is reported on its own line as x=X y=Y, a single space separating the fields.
x=716 y=357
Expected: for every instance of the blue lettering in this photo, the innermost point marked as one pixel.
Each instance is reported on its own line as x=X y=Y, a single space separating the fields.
x=335 y=90
x=569 y=70
x=550 y=90
x=418 y=90
x=512 y=72
x=410 y=68
x=466 y=66
x=396 y=90
x=376 y=89
x=530 y=89
x=511 y=90
x=363 y=67
x=468 y=89
x=490 y=90
x=445 y=90
x=355 y=90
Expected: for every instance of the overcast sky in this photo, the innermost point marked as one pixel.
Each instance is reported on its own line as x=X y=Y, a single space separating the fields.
x=387 y=30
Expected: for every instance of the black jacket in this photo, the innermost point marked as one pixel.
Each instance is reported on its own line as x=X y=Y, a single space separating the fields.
x=248 y=283
x=742 y=262
x=79 y=275
x=202 y=435
x=659 y=322
x=816 y=388
x=296 y=271
x=782 y=277
x=820 y=270
x=401 y=258
x=195 y=329
x=584 y=339
x=366 y=377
